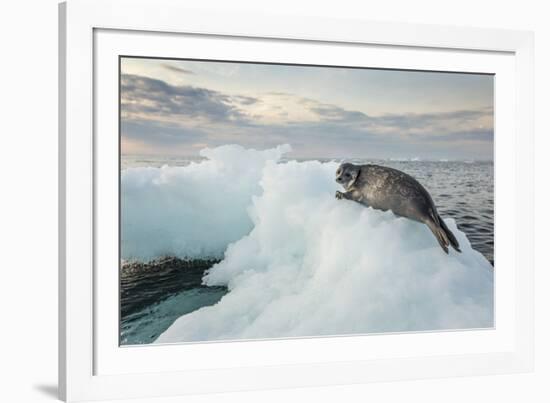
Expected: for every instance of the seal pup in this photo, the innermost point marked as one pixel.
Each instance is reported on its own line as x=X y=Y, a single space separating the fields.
x=385 y=189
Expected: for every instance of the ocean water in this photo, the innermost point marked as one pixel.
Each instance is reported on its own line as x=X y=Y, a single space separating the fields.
x=155 y=293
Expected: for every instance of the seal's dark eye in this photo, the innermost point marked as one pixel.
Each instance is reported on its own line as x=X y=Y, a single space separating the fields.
x=347 y=175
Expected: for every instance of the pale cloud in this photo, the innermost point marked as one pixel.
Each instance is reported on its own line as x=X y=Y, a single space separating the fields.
x=162 y=117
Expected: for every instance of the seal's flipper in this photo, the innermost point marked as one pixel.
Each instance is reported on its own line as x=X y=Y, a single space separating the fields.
x=450 y=236
x=439 y=234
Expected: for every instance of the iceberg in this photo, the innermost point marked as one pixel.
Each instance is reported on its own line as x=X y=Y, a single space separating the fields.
x=193 y=211
x=296 y=261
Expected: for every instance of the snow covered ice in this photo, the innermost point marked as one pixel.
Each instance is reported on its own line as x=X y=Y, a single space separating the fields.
x=191 y=211
x=296 y=261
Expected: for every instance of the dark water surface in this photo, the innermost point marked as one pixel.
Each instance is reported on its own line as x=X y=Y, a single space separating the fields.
x=154 y=294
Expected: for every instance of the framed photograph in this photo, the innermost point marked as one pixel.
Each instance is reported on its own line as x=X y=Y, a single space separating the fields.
x=255 y=201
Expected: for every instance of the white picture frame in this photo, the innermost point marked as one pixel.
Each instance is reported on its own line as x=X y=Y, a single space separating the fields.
x=92 y=366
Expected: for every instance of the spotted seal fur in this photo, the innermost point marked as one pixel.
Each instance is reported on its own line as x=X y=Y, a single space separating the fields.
x=385 y=188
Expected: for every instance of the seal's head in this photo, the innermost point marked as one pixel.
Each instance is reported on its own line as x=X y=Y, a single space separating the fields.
x=346 y=174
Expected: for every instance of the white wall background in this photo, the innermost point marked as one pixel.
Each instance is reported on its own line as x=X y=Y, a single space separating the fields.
x=28 y=199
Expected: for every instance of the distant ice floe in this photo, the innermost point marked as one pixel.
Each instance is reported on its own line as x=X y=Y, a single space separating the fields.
x=296 y=261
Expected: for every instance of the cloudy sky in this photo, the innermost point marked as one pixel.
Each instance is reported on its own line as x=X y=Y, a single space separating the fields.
x=176 y=107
